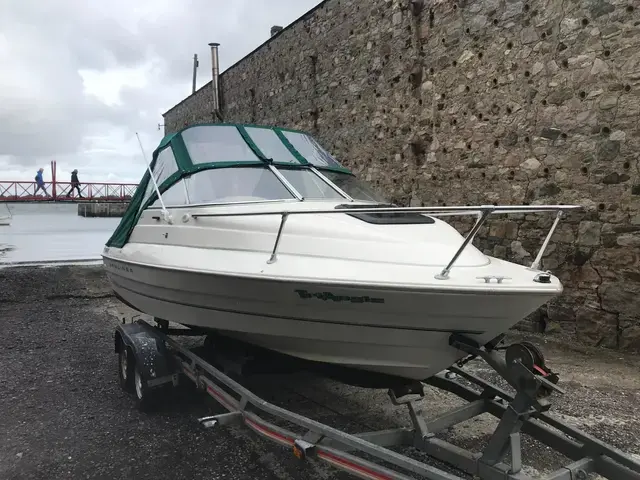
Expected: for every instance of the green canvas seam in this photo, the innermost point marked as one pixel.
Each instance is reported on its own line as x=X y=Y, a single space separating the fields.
x=180 y=153
x=249 y=141
x=290 y=147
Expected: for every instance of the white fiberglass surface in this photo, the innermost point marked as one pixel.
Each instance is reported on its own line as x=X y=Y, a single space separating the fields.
x=365 y=271
x=336 y=247
x=403 y=331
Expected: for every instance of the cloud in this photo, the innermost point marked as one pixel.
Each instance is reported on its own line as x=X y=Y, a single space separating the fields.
x=80 y=78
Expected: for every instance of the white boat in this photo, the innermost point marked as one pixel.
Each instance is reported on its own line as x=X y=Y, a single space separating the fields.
x=262 y=236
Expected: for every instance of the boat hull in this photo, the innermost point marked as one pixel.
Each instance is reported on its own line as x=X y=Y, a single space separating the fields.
x=402 y=332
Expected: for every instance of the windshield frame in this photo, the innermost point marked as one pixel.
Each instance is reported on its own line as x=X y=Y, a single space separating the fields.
x=323 y=170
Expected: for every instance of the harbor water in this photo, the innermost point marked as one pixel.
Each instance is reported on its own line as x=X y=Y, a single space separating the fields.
x=42 y=233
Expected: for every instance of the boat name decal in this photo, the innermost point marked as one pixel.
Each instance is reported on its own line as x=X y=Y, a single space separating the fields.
x=117 y=266
x=338 y=298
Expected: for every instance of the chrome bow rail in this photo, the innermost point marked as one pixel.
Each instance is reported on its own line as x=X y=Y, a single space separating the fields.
x=481 y=211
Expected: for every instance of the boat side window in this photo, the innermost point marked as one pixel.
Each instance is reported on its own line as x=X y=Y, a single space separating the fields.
x=354 y=187
x=308 y=184
x=220 y=144
x=164 y=167
x=174 y=196
x=311 y=150
x=235 y=184
x=270 y=145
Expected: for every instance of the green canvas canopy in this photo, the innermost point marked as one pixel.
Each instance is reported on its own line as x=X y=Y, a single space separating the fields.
x=205 y=147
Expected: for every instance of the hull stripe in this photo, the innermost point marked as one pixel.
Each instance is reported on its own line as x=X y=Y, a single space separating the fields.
x=240 y=312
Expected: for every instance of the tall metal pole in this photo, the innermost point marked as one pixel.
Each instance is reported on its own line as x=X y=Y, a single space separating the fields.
x=195 y=68
x=215 y=73
x=53 y=179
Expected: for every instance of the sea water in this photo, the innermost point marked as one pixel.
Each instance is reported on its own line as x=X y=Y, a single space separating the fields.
x=42 y=233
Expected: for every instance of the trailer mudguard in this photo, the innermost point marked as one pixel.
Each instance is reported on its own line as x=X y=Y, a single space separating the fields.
x=149 y=349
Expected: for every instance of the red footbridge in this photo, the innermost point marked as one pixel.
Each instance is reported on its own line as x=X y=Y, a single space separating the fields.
x=56 y=191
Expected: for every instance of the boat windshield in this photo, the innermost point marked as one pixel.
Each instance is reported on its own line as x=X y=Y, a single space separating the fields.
x=224 y=163
x=354 y=187
x=310 y=185
x=256 y=184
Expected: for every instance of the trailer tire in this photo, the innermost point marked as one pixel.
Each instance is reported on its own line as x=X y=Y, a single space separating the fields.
x=126 y=368
x=147 y=398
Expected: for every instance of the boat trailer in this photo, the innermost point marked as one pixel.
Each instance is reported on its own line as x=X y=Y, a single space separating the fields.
x=150 y=362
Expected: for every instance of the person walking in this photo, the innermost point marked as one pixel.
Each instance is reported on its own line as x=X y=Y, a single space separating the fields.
x=75 y=183
x=40 y=183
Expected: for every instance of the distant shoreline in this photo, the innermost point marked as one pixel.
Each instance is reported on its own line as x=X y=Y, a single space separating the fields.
x=53 y=263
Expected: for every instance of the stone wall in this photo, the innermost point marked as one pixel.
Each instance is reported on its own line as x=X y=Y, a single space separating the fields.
x=475 y=102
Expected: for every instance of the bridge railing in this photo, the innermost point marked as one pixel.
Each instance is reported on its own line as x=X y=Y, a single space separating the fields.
x=61 y=191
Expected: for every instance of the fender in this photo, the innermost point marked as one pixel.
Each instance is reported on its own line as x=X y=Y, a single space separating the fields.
x=157 y=364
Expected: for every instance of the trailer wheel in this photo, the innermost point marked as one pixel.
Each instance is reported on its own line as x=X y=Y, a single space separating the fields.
x=146 y=397
x=125 y=368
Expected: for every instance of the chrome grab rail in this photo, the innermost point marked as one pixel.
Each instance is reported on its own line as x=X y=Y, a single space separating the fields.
x=483 y=212
x=444 y=274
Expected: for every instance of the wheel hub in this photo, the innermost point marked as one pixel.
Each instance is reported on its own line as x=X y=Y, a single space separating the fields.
x=124 y=363
x=138 y=382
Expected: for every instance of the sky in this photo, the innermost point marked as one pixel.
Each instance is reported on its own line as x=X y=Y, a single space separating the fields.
x=79 y=78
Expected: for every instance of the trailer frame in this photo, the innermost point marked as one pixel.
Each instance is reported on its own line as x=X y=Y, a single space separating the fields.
x=159 y=362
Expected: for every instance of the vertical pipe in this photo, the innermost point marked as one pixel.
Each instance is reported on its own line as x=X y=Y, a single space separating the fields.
x=53 y=179
x=193 y=81
x=215 y=87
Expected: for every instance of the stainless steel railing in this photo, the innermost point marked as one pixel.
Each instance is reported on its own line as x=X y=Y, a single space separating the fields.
x=482 y=211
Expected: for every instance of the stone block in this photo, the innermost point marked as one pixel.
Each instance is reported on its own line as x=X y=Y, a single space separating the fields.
x=563 y=234
x=531 y=164
x=608 y=150
x=620 y=297
x=589 y=233
x=595 y=327
x=561 y=312
x=503 y=229
x=629 y=240
x=629 y=337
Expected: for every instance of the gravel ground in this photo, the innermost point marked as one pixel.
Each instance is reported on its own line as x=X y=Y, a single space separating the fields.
x=65 y=416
